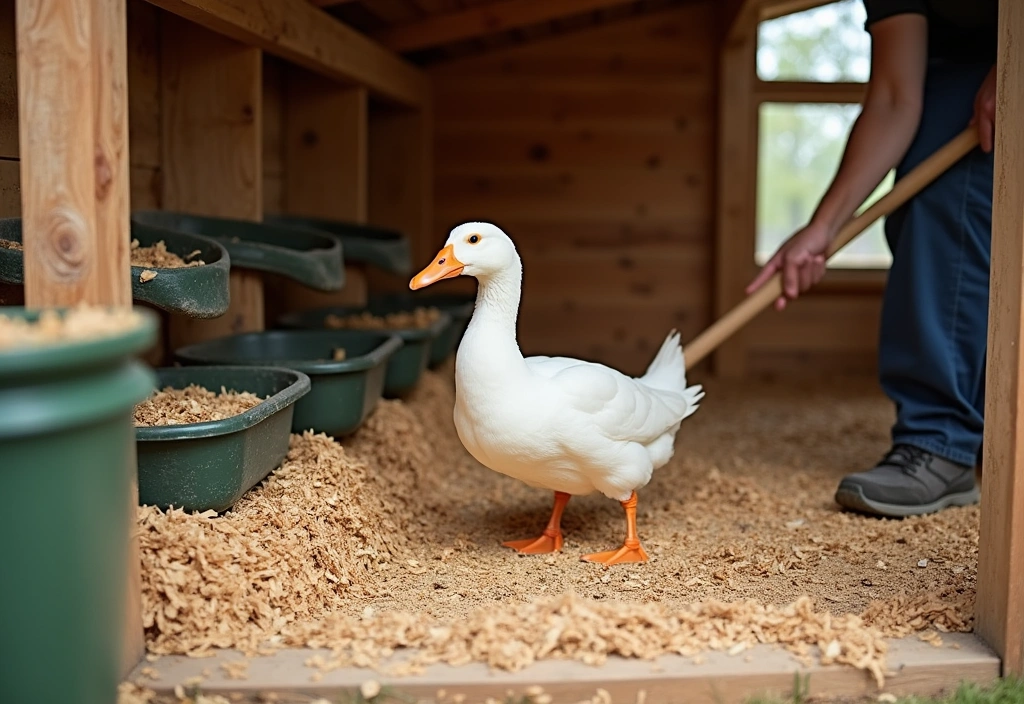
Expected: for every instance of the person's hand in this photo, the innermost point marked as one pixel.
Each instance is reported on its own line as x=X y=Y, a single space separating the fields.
x=985 y=111
x=801 y=259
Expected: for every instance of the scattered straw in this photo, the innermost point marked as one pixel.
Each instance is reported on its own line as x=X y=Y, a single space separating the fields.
x=77 y=324
x=12 y=244
x=417 y=318
x=193 y=404
x=157 y=256
x=394 y=542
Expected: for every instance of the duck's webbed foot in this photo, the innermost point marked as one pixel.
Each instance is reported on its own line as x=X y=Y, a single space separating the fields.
x=551 y=539
x=631 y=550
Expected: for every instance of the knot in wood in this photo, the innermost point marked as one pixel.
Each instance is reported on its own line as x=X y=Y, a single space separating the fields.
x=65 y=251
x=104 y=173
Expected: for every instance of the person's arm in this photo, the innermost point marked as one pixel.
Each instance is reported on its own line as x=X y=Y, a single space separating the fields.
x=880 y=137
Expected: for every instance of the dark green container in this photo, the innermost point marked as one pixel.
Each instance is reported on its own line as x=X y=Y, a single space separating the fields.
x=459 y=307
x=198 y=291
x=384 y=248
x=67 y=457
x=406 y=366
x=310 y=257
x=209 y=466
x=343 y=393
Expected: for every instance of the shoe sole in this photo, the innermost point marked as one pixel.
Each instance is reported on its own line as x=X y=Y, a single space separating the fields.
x=853 y=498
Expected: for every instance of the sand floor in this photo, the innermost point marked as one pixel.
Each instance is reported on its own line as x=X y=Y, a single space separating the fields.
x=394 y=539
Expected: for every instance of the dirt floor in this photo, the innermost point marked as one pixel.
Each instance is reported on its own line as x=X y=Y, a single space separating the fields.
x=394 y=540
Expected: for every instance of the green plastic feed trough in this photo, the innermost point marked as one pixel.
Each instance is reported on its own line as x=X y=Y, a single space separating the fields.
x=210 y=465
x=195 y=291
x=386 y=249
x=307 y=256
x=459 y=307
x=405 y=367
x=343 y=392
x=68 y=457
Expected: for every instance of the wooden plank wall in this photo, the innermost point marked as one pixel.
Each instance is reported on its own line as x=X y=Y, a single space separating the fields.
x=597 y=152
x=143 y=115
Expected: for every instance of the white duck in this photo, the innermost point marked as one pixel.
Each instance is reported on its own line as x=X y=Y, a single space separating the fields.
x=556 y=423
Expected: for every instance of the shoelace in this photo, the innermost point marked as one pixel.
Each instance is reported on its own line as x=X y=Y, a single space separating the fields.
x=908 y=458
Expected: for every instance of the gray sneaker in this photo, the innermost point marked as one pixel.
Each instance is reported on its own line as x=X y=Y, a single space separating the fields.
x=908 y=482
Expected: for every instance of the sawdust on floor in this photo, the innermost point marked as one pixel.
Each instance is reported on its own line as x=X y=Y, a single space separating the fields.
x=395 y=540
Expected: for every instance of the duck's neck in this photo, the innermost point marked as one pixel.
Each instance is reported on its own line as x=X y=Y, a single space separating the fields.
x=493 y=324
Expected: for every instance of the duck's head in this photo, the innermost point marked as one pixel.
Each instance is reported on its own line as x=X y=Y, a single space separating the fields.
x=477 y=249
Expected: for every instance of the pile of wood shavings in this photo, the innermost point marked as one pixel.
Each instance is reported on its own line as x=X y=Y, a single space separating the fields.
x=157 y=256
x=193 y=404
x=417 y=318
x=80 y=323
x=740 y=526
x=298 y=547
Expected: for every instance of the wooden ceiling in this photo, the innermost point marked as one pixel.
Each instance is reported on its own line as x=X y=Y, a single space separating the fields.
x=428 y=31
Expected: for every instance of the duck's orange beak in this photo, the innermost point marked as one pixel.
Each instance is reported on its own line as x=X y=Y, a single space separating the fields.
x=444 y=266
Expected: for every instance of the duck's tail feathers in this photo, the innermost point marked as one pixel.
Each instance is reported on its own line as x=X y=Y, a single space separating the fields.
x=667 y=372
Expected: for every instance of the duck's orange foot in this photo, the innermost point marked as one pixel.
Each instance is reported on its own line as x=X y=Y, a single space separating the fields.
x=538 y=546
x=614 y=557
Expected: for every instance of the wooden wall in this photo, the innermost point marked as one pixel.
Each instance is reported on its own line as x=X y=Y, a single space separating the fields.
x=595 y=151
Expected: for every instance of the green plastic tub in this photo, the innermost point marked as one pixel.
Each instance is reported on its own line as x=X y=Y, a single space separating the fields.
x=67 y=457
x=459 y=307
x=343 y=393
x=210 y=465
x=308 y=256
x=195 y=291
x=384 y=248
x=406 y=366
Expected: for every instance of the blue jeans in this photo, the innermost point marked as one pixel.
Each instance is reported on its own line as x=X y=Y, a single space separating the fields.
x=934 y=324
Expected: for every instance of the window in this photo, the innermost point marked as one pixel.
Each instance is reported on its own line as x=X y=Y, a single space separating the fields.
x=803 y=123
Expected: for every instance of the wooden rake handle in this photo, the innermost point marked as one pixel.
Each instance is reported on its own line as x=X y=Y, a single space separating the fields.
x=923 y=174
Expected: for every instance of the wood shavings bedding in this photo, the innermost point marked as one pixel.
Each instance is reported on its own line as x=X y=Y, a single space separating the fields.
x=417 y=318
x=745 y=540
x=80 y=323
x=193 y=404
x=155 y=256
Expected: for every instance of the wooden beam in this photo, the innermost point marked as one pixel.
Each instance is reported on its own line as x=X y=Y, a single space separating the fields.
x=481 y=20
x=1000 y=601
x=212 y=152
x=325 y=155
x=307 y=36
x=73 y=136
x=329 y=3
x=735 y=221
x=808 y=92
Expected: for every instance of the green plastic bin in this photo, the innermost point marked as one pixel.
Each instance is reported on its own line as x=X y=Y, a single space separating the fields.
x=343 y=393
x=307 y=256
x=68 y=456
x=459 y=307
x=388 y=250
x=196 y=291
x=405 y=367
x=210 y=465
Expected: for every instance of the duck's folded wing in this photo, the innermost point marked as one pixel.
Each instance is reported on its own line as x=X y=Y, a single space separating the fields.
x=621 y=407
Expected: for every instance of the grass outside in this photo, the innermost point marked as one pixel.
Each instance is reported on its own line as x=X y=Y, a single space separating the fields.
x=1005 y=691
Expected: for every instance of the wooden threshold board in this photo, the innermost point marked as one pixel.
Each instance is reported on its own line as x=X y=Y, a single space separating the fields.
x=916 y=668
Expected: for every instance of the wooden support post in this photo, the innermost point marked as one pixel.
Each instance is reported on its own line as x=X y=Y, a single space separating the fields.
x=212 y=156
x=401 y=183
x=73 y=139
x=735 y=222
x=325 y=174
x=1000 y=600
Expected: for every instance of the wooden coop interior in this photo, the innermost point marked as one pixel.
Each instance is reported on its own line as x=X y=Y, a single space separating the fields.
x=616 y=142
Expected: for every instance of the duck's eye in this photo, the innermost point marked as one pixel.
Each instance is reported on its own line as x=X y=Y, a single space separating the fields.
x=473 y=239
